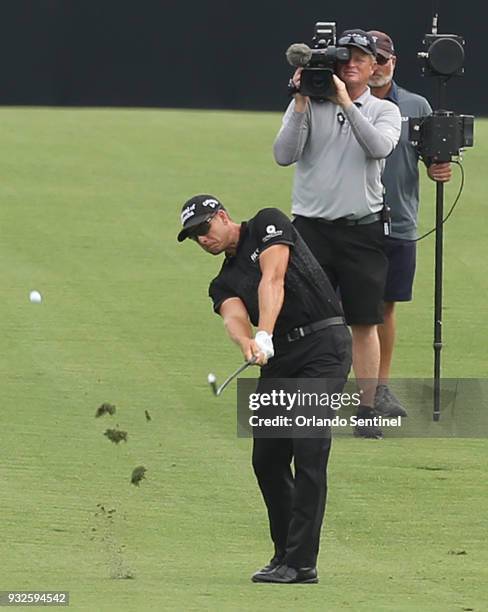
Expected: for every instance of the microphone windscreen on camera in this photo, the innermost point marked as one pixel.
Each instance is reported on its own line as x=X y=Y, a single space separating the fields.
x=298 y=55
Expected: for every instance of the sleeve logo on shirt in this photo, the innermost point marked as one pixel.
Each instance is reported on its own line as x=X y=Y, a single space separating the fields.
x=255 y=255
x=272 y=232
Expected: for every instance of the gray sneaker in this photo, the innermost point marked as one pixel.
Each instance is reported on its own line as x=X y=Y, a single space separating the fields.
x=387 y=404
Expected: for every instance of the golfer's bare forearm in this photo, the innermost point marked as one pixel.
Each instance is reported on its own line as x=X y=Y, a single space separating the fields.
x=236 y=321
x=238 y=329
x=271 y=294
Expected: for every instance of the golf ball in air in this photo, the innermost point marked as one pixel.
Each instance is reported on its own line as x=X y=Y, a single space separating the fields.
x=35 y=297
x=211 y=378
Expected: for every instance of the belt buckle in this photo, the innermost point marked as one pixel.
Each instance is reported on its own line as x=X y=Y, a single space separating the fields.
x=295 y=334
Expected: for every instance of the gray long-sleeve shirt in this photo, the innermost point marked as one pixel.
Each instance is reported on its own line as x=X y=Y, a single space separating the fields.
x=339 y=154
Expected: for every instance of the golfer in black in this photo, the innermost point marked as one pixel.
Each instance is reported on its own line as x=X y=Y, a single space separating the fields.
x=270 y=280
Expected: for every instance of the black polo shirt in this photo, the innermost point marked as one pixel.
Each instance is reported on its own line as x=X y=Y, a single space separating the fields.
x=309 y=295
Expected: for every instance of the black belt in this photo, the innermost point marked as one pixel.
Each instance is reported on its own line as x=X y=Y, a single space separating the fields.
x=372 y=218
x=299 y=332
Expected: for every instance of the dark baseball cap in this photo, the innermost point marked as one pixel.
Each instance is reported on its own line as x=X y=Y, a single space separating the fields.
x=384 y=44
x=196 y=210
x=358 y=38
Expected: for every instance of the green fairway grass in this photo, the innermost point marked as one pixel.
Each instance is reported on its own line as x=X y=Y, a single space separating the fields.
x=89 y=213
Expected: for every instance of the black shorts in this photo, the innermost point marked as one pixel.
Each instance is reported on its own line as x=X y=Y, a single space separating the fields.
x=402 y=257
x=353 y=258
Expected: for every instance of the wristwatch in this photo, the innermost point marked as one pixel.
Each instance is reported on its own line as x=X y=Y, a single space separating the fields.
x=292 y=88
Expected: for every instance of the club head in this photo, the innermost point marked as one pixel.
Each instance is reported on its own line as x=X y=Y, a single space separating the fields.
x=212 y=381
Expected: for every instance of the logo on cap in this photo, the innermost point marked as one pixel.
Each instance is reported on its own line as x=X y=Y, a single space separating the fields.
x=210 y=202
x=188 y=212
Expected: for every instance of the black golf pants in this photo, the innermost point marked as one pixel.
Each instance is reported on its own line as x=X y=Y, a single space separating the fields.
x=296 y=500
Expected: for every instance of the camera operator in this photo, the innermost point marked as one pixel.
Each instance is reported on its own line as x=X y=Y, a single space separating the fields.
x=401 y=181
x=339 y=146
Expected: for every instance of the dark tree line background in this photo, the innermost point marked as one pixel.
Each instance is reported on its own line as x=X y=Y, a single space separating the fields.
x=207 y=54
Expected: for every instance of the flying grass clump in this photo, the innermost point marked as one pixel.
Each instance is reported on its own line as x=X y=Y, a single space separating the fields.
x=105 y=408
x=138 y=474
x=116 y=435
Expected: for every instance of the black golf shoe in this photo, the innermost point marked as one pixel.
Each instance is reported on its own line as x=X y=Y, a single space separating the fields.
x=273 y=564
x=368 y=429
x=284 y=574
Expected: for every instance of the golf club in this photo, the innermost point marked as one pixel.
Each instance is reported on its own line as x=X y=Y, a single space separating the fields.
x=212 y=381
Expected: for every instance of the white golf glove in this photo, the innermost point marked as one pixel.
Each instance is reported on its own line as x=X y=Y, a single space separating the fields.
x=265 y=343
